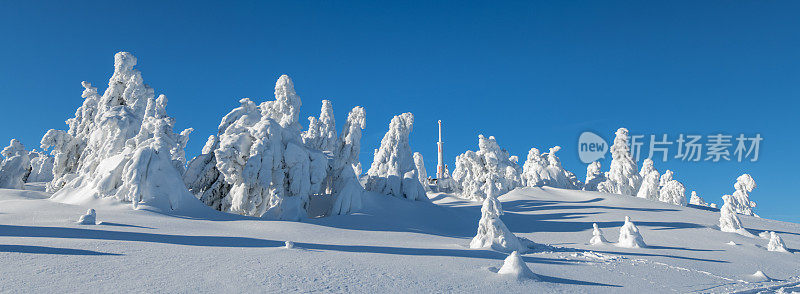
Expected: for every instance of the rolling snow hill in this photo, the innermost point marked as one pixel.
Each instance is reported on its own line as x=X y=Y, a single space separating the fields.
x=393 y=245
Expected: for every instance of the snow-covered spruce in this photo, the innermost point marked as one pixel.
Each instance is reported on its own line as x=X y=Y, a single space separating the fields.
x=594 y=176
x=89 y=218
x=629 y=236
x=623 y=177
x=728 y=220
x=647 y=167
x=393 y=171
x=597 y=236
x=489 y=169
x=546 y=170
x=345 y=169
x=515 y=267
x=776 y=243
x=665 y=178
x=649 y=187
x=258 y=164
x=697 y=200
x=673 y=192
x=321 y=133
x=492 y=232
x=419 y=163
x=741 y=197
x=121 y=146
x=15 y=166
x=41 y=167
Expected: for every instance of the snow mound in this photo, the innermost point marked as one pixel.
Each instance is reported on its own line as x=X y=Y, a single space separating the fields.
x=121 y=146
x=515 y=267
x=776 y=243
x=629 y=236
x=732 y=243
x=90 y=218
x=758 y=276
x=393 y=171
x=289 y=245
x=490 y=171
x=597 y=236
x=546 y=170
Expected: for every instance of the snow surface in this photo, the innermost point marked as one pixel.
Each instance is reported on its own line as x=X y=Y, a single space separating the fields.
x=383 y=250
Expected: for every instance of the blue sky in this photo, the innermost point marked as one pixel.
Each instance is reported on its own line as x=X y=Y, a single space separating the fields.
x=531 y=73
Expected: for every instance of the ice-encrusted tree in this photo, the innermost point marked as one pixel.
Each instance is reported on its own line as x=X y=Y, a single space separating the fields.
x=623 y=177
x=697 y=200
x=629 y=236
x=15 y=166
x=597 y=236
x=594 y=176
x=321 y=133
x=673 y=192
x=344 y=184
x=741 y=197
x=492 y=232
x=728 y=220
x=546 y=170
x=647 y=168
x=257 y=164
x=393 y=171
x=41 y=167
x=666 y=178
x=776 y=243
x=649 y=187
x=422 y=173
x=489 y=169
x=121 y=145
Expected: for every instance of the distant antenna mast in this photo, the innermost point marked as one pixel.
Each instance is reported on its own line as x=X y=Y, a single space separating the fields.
x=440 y=165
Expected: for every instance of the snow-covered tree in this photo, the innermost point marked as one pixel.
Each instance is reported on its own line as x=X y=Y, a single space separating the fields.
x=597 y=236
x=89 y=218
x=41 y=167
x=489 y=169
x=629 y=236
x=321 y=133
x=121 y=145
x=492 y=232
x=741 y=197
x=546 y=170
x=593 y=176
x=666 y=178
x=728 y=220
x=697 y=200
x=649 y=188
x=776 y=243
x=623 y=177
x=422 y=173
x=393 y=171
x=647 y=168
x=15 y=167
x=345 y=187
x=673 y=192
x=257 y=164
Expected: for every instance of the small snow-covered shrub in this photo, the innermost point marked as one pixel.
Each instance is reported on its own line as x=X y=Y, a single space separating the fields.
x=515 y=267
x=492 y=232
x=393 y=171
x=593 y=176
x=697 y=200
x=673 y=192
x=623 y=177
x=649 y=187
x=629 y=236
x=741 y=197
x=489 y=169
x=597 y=236
x=776 y=243
x=728 y=220
x=90 y=218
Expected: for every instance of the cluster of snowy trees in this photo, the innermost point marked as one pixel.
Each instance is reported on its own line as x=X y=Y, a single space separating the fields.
x=19 y=166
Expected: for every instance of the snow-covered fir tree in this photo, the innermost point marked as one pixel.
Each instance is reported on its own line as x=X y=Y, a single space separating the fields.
x=623 y=177
x=597 y=236
x=489 y=169
x=697 y=200
x=673 y=192
x=594 y=176
x=258 y=165
x=492 y=232
x=647 y=167
x=15 y=166
x=422 y=173
x=649 y=187
x=728 y=220
x=776 y=243
x=665 y=178
x=345 y=169
x=393 y=171
x=629 y=236
x=321 y=133
x=121 y=145
x=741 y=197
x=41 y=167
x=546 y=170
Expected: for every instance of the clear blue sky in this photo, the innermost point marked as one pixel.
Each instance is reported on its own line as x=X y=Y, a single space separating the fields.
x=532 y=74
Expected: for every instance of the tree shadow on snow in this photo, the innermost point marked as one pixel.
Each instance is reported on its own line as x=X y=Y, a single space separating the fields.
x=556 y=280
x=49 y=250
x=105 y=223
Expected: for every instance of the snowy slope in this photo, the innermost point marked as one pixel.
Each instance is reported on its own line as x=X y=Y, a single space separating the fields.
x=394 y=245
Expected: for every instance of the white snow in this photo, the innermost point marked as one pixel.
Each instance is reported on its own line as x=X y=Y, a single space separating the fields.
x=629 y=236
x=515 y=267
